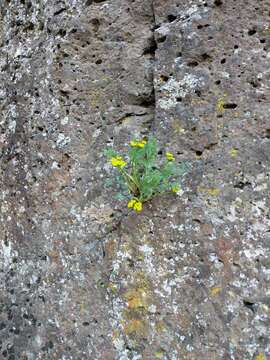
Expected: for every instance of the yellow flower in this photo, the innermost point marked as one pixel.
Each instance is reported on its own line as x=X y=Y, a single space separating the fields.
x=140 y=144
x=137 y=206
x=175 y=188
x=117 y=161
x=170 y=156
x=131 y=203
x=260 y=357
x=133 y=143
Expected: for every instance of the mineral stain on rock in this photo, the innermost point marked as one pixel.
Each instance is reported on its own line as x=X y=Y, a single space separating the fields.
x=82 y=277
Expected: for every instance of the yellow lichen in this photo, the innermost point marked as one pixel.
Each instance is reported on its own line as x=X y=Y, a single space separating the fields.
x=199 y=102
x=141 y=281
x=215 y=291
x=136 y=298
x=135 y=327
x=160 y=326
x=112 y=287
x=115 y=334
x=266 y=30
x=220 y=104
x=233 y=152
x=159 y=354
x=82 y=308
x=177 y=128
x=213 y=191
x=210 y=191
x=95 y=98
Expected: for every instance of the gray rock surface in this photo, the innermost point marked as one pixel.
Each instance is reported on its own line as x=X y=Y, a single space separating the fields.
x=81 y=276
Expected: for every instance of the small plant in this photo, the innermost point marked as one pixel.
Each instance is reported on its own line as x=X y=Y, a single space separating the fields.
x=141 y=177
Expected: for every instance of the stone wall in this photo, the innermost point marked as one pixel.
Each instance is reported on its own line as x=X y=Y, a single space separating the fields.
x=81 y=276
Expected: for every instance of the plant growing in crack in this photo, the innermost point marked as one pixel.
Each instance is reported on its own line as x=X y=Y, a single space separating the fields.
x=141 y=175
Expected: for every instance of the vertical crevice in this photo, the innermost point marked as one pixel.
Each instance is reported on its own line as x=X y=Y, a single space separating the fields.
x=153 y=61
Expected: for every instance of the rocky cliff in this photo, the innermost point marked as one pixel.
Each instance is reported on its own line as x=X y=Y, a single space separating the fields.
x=81 y=276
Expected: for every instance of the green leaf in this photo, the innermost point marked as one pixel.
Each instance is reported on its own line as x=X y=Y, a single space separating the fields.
x=109 y=152
x=109 y=182
x=119 y=196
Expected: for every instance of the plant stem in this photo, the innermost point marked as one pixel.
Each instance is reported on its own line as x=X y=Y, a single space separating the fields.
x=129 y=178
x=134 y=173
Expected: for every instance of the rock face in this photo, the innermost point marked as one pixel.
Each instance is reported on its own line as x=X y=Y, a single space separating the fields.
x=81 y=276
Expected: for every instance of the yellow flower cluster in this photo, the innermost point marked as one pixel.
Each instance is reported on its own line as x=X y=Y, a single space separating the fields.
x=170 y=156
x=139 y=144
x=135 y=204
x=175 y=188
x=118 y=161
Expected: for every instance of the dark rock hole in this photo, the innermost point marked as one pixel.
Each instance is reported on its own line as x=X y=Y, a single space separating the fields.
x=267 y=135
x=62 y=32
x=162 y=39
x=192 y=63
x=201 y=26
x=164 y=78
x=241 y=185
x=218 y=2
x=250 y=305
x=59 y=11
x=171 y=17
x=151 y=48
x=251 y=32
x=230 y=106
x=89 y=2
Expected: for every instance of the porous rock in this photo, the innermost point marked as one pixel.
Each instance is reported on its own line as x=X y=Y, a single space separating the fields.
x=81 y=276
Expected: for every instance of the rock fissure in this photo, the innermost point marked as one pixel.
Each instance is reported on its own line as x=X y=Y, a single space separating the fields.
x=78 y=76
